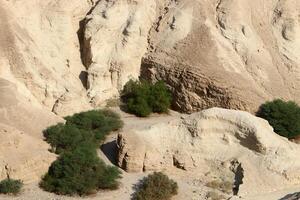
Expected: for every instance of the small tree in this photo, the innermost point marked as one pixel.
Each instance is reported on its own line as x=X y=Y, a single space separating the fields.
x=100 y=122
x=160 y=98
x=142 y=98
x=10 y=186
x=78 y=169
x=283 y=116
x=156 y=186
x=67 y=137
x=79 y=172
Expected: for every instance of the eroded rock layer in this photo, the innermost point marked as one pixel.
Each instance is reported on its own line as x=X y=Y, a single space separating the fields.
x=227 y=53
x=214 y=141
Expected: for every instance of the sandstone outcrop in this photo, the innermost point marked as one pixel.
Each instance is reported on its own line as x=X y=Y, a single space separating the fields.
x=211 y=142
x=115 y=39
x=23 y=153
x=40 y=51
x=225 y=53
x=22 y=156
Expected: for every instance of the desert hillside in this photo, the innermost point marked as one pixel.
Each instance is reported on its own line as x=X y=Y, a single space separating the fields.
x=220 y=59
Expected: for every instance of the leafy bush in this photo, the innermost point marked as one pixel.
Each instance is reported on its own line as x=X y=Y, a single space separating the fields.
x=79 y=170
x=10 y=186
x=283 y=116
x=90 y=126
x=160 y=98
x=156 y=186
x=67 y=137
x=100 y=122
x=142 y=98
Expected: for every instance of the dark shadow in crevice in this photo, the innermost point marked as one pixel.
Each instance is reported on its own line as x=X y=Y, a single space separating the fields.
x=83 y=76
x=238 y=178
x=110 y=150
x=293 y=196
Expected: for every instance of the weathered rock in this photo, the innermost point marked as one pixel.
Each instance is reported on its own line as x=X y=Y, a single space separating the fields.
x=40 y=51
x=115 y=39
x=232 y=54
x=22 y=156
x=131 y=151
x=212 y=140
x=23 y=153
x=226 y=53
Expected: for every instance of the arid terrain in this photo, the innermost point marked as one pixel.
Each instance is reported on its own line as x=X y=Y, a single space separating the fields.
x=221 y=59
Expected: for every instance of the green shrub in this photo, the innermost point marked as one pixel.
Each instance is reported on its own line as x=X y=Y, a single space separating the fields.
x=79 y=172
x=67 y=137
x=283 y=116
x=100 y=122
x=142 y=98
x=156 y=186
x=10 y=186
x=160 y=98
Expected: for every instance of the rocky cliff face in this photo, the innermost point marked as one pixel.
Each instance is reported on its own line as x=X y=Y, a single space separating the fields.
x=228 y=53
x=235 y=54
x=61 y=57
x=115 y=39
x=40 y=52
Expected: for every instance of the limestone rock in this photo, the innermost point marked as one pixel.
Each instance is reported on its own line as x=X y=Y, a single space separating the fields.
x=23 y=153
x=40 y=50
x=131 y=151
x=22 y=156
x=212 y=141
x=115 y=39
x=226 y=53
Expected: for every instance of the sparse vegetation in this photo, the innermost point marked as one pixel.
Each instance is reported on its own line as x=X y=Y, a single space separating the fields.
x=113 y=102
x=223 y=186
x=215 y=196
x=156 y=186
x=10 y=186
x=79 y=170
x=142 y=97
x=283 y=116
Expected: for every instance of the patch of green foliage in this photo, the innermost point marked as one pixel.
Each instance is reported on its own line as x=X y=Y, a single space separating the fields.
x=283 y=116
x=79 y=170
x=142 y=97
x=10 y=186
x=67 y=137
x=90 y=126
x=156 y=186
x=99 y=122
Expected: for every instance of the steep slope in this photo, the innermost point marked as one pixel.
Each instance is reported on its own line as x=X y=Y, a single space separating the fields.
x=40 y=52
x=23 y=154
x=228 y=53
